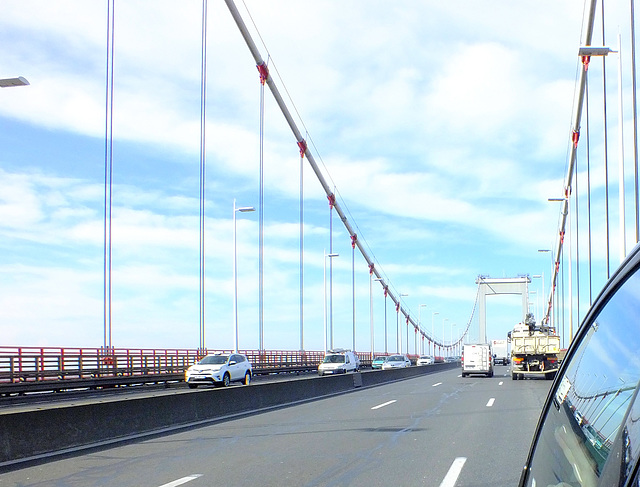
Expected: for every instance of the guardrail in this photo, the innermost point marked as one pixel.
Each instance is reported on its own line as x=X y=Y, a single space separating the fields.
x=52 y=368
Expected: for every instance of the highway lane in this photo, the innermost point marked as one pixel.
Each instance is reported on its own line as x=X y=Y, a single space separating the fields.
x=413 y=432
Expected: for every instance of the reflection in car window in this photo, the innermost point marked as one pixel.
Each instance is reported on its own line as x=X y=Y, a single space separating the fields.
x=593 y=397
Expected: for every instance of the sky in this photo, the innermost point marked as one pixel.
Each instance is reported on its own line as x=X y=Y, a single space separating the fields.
x=443 y=127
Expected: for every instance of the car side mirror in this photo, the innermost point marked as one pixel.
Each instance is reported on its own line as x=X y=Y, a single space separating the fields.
x=232 y=362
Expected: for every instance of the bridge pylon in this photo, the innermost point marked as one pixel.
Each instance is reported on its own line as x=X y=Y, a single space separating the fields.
x=488 y=286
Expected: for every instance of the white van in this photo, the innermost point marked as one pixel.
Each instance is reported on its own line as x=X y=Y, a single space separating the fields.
x=339 y=361
x=477 y=359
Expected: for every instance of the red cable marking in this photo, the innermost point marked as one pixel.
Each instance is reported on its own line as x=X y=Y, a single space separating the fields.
x=264 y=72
x=303 y=147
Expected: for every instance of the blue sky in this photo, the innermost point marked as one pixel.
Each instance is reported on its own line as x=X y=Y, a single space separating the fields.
x=443 y=126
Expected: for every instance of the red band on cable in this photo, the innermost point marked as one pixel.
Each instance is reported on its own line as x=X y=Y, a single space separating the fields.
x=264 y=72
x=303 y=147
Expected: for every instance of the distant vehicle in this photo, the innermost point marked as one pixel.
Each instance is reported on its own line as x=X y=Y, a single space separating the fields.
x=425 y=360
x=396 y=362
x=534 y=350
x=588 y=433
x=477 y=359
x=220 y=370
x=339 y=361
x=378 y=361
x=500 y=352
x=450 y=360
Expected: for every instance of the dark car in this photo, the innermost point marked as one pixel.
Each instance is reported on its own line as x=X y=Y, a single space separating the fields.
x=589 y=430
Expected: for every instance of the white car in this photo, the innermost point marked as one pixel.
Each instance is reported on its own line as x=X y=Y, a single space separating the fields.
x=220 y=370
x=339 y=361
x=396 y=362
x=424 y=360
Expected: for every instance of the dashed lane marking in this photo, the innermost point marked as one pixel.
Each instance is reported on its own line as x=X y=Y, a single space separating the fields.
x=183 y=480
x=437 y=384
x=383 y=404
x=491 y=401
x=454 y=472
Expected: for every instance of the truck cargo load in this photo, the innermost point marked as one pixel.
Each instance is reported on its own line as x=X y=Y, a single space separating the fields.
x=534 y=350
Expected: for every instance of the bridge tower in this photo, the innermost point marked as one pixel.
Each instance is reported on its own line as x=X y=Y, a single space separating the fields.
x=488 y=286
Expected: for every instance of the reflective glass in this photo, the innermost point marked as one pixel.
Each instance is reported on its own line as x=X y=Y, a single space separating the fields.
x=593 y=397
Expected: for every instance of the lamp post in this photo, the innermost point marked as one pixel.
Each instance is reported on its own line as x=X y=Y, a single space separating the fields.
x=432 y=335
x=443 y=320
x=398 y=335
x=550 y=302
x=242 y=209
x=419 y=325
x=386 y=293
x=10 y=82
x=326 y=338
x=451 y=335
x=371 y=279
x=541 y=277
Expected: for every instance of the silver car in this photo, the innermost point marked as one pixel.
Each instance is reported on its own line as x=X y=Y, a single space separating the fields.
x=220 y=370
x=396 y=362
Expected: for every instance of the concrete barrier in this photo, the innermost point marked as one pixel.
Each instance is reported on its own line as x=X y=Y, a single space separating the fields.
x=40 y=433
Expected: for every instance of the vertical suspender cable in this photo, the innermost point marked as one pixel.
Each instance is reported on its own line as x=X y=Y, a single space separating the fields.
x=622 y=244
x=108 y=178
x=605 y=149
x=331 y=204
x=588 y=192
x=203 y=119
x=261 y=227
x=301 y=249
x=577 y=239
x=635 y=117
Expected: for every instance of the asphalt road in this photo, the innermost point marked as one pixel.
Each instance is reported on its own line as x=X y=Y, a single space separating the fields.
x=434 y=430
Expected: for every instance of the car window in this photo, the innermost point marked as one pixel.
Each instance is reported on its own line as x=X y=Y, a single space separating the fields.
x=334 y=359
x=214 y=359
x=591 y=402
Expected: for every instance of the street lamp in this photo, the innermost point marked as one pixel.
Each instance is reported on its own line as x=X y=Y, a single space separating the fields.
x=398 y=335
x=371 y=279
x=432 y=335
x=9 y=82
x=242 y=209
x=451 y=335
x=443 y=320
x=544 y=296
x=325 y=303
x=419 y=326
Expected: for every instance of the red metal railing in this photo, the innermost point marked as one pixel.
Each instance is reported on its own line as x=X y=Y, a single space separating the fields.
x=31 y=364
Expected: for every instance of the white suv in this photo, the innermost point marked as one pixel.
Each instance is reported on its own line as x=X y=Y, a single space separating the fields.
x=339 y=361
x=219 y=369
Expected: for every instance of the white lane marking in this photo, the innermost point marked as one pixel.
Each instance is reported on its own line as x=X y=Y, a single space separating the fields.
x=453 y=473
x=383 y=404
x=183 y=480
x=437 y=384
x=500 y=383
x=491 y=401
